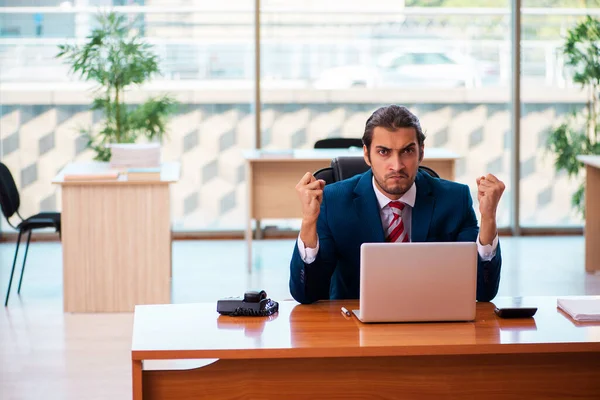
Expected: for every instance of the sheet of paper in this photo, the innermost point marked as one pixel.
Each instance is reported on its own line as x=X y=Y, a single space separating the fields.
x=581 y=308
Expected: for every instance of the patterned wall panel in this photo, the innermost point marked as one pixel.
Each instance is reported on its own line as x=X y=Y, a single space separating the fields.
x=546 y=194
x=209 y=141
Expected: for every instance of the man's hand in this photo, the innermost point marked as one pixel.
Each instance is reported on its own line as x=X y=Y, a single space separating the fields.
x=310 y=192
x=489 y=191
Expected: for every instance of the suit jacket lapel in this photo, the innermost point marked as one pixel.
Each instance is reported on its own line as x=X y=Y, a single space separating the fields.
x=423 y=210
x=367 y=209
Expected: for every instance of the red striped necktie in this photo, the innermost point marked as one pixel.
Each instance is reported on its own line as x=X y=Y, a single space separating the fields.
x=396 y=231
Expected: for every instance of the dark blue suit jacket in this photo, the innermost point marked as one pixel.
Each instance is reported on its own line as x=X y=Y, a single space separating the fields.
x=349 y=217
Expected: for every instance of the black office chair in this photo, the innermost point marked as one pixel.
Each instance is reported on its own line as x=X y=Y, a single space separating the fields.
x=10 y=202
x=430 y=171
x=346 y=167
x=338 y=143
x=326 y=174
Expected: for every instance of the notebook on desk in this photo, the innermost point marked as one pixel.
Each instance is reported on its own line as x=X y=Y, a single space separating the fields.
x=98 y=176
x=144 y=174
x=581 y=308
x=417 y=282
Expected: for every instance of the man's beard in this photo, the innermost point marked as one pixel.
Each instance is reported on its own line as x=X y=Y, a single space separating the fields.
x=396 y=190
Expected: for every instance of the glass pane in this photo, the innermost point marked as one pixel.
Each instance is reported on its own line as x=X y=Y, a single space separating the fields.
x=549 y=95
x=206 y=61
x=439 y=58
x=327 y=66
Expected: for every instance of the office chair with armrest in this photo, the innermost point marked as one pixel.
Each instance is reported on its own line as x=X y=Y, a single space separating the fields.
x=10 y=202
x=430 y=171
x=346 y=167
x=326 y=174
x=338 y=143
x=342 y=168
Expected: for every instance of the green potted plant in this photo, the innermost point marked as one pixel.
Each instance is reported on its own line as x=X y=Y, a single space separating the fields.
x=116 y=58
x=579 y=133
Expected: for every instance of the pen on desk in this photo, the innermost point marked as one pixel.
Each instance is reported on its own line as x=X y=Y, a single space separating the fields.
x=346 y=311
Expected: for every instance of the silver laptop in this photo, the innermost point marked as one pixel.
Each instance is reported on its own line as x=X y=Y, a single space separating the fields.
x=417 y=282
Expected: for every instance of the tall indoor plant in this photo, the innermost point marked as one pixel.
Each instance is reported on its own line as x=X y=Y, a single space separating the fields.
x=115 y=57
x=579 y=133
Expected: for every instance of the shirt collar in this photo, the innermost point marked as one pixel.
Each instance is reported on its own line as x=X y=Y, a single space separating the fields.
x=407 y=198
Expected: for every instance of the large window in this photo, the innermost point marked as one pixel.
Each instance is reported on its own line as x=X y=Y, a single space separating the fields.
x=328 y=66
x=207 y=61
x=325 y=67
x=548 y=96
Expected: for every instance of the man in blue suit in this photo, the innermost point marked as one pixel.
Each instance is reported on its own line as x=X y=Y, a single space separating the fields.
x=393 y=201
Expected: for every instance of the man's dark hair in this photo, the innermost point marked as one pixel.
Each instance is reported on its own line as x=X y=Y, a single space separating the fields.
x=391 y=118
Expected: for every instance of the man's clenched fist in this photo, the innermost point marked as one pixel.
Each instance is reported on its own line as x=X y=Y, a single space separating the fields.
x=489 y=191
x=310 y=193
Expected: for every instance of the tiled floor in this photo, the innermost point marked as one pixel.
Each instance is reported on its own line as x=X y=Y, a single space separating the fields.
x=47 y=354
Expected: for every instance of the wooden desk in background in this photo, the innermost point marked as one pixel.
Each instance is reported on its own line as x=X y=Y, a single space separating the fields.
x=313 y=351
x=592 y=212
x=272 y=177
x=116 y=239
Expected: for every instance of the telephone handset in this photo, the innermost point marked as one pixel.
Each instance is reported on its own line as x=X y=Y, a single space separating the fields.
x=254 y=303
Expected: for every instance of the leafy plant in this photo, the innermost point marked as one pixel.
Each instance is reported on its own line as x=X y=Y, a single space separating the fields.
x=579 y=133
x=116 y=58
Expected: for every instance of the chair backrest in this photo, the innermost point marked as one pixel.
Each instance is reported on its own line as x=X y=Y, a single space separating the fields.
x=326 y=174
x=338 y=143
x=346 y=167
x=9 y=195
x=429 y=171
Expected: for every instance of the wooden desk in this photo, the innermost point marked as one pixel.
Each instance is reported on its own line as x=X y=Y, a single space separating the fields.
x=272 y=177
x=116 y=239
x=313 y=351
x=592 y=212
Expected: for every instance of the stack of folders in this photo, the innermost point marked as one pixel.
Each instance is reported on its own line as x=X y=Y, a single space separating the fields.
x=581 y=308
x=134 y=155
x=143 y=174
x=92 y=176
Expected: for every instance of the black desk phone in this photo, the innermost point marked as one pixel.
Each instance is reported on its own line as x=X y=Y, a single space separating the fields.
x=254 y=303
x=519 y=312
x=515 y=307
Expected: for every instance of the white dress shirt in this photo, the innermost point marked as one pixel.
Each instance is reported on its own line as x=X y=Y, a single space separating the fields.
x=486 y=252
